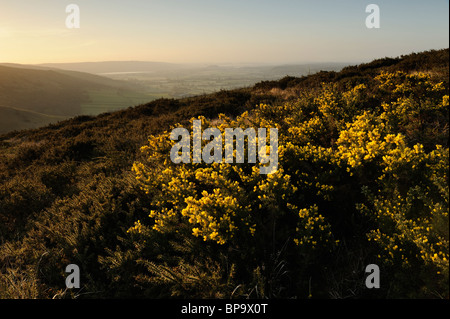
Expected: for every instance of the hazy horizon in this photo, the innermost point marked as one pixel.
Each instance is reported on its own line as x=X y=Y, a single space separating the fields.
x=218 y=32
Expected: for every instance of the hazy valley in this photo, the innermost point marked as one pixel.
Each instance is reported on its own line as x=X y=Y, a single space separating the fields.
x=32 y=96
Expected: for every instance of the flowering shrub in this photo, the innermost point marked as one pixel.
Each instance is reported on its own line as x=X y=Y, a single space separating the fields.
x=348 y=171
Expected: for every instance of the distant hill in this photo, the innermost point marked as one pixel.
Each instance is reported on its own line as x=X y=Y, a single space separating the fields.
x=51 y=95
x=114 y=66
x=162 y=68
x=80 y=75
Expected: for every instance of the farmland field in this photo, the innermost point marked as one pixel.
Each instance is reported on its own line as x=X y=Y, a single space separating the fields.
x=109 y=100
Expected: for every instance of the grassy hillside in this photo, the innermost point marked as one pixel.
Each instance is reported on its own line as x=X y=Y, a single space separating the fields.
x=14 y=118
x=363 y=178
x=56 y=95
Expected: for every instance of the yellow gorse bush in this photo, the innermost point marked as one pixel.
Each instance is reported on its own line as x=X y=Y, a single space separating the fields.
x=326 y=139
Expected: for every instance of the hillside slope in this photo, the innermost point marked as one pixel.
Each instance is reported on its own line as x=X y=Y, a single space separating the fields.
x=13 y=118
x=56 y=94
x=68 y=194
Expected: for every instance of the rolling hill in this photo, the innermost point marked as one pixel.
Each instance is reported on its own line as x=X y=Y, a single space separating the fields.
x=12 y=118
x=42 y=96
x=115 y=66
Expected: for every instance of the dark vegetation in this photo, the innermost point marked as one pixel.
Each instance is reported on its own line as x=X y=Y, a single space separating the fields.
x=68 y=195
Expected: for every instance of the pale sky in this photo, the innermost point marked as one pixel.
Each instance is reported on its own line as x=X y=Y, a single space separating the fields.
x=219 y=31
